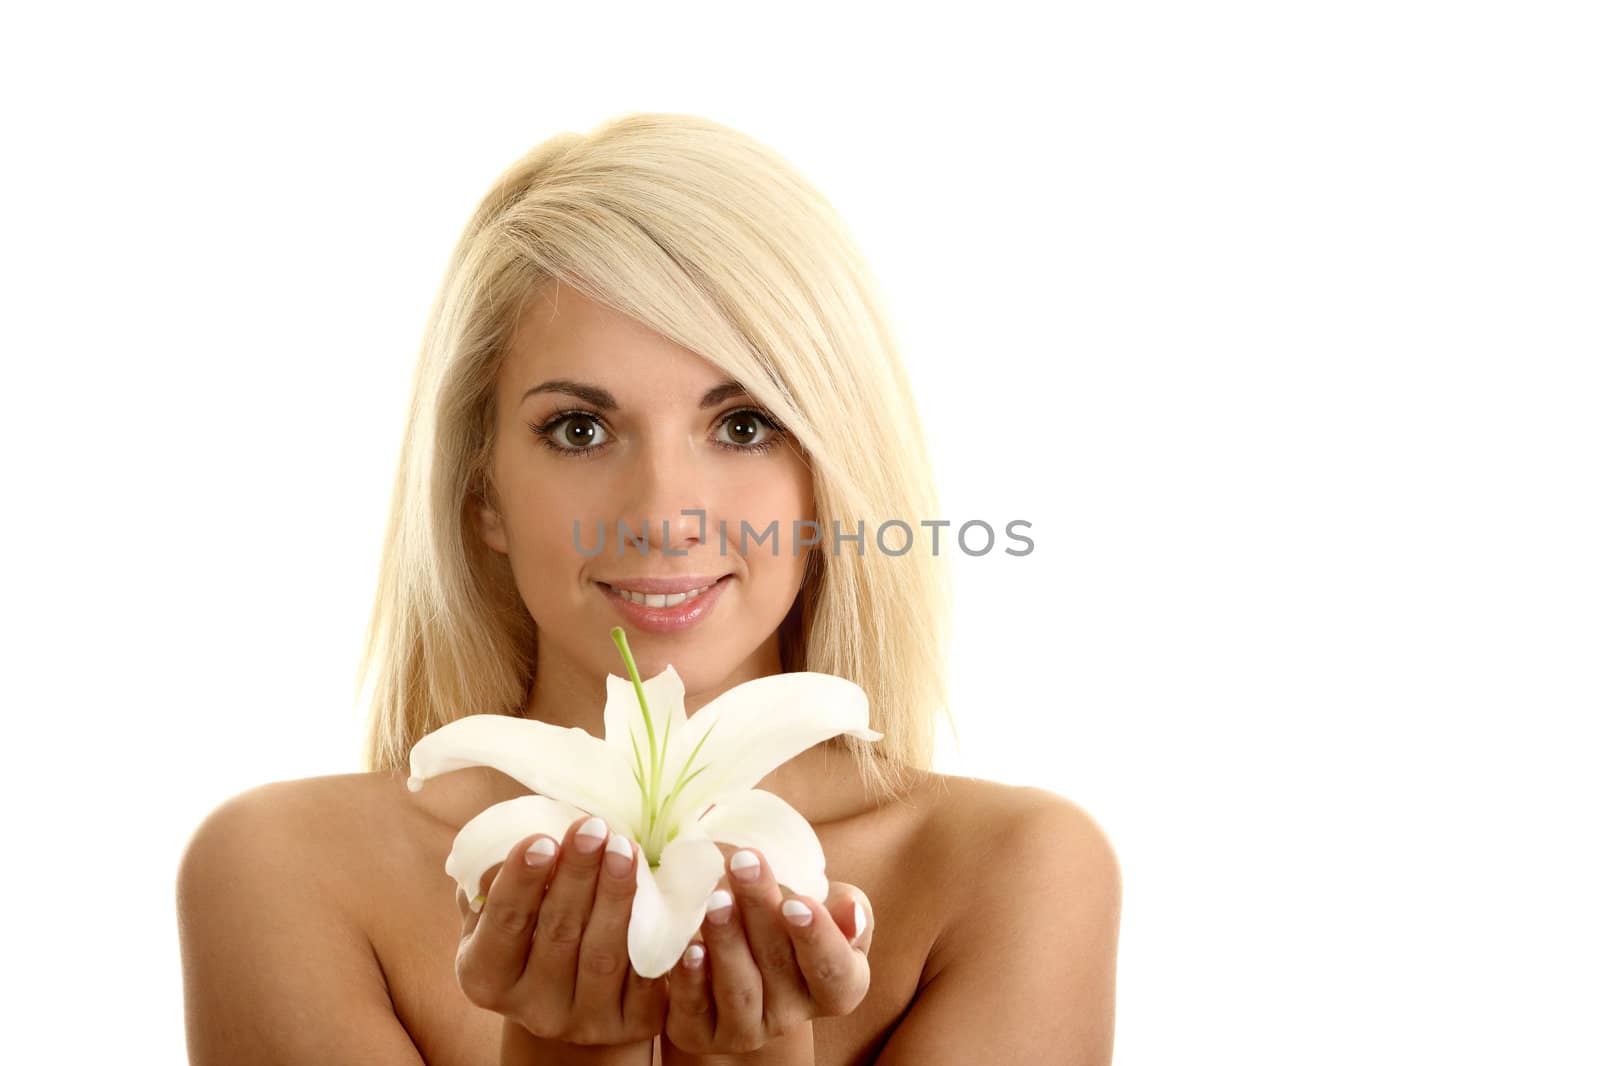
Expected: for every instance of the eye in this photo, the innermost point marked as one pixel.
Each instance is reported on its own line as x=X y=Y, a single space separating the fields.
x=749 y=431
x=572 y=431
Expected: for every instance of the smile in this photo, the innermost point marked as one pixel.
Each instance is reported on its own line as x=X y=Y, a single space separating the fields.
x=665 y=612
x=654 y=600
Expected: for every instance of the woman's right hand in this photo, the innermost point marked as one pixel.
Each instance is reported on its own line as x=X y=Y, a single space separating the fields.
x=549 y=947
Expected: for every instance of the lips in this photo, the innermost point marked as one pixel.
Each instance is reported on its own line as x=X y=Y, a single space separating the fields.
x=661 y=618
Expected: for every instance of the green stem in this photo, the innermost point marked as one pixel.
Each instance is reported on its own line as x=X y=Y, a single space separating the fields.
x=657 y=753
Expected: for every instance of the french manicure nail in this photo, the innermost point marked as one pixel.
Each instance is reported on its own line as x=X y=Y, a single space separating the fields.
x=693 y=957
x=796 y=913
x=591 y=835
x=719 y=909
x=619 y=855
x=860 y=917
x=745 y=866
x=539 y=852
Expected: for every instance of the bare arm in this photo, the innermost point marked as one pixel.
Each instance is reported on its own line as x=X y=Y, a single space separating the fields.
x=273 y=973
x=1027 y=973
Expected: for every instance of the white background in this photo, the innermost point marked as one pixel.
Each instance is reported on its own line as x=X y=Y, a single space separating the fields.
x=1277 y=321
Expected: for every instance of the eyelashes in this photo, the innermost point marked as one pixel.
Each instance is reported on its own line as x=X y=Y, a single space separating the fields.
x=551 y=429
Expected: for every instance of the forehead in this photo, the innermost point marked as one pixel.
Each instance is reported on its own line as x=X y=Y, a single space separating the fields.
x=563 y=333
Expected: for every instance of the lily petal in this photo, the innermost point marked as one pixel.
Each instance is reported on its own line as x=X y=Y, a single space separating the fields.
x=758 y=819
x=669 y=902
x=488 y=836
x=760 y=725
x=566 y=764
x=664 y=694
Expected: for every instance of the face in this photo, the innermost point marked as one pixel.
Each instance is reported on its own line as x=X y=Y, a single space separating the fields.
x=603 y=422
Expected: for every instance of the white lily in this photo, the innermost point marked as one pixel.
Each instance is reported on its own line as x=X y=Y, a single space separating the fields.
x=675 y=785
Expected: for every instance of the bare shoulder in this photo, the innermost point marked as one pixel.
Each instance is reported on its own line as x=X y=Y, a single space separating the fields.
x=275 y=965
x=293 y=819
x=1016 y=855
x=996 y=826
x=1031 y=893
x=337 y=834
x=302 y=824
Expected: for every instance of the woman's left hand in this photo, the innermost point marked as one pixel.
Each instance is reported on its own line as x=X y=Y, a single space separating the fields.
x=767 y=963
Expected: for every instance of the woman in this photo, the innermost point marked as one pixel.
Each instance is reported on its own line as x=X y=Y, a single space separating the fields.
x=659 y=324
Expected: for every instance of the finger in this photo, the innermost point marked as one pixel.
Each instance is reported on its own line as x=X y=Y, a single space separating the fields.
x=603 y=956
x=553 y=959
x=691 y=1012
x=470 y=909
x=784 y=1001
x=735 y=979
x=851 y=911
x=495 y=944
x=836 y=974
x=644 y=1003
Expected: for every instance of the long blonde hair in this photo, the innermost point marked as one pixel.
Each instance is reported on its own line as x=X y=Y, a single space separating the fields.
x=717 y=243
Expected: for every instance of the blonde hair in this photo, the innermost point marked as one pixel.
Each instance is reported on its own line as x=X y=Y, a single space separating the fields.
x=717 y=243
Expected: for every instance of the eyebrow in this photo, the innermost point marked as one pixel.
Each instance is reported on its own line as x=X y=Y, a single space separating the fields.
x=603 y=399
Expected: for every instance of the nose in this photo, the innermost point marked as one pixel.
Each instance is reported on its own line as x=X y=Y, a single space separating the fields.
x=667 y=482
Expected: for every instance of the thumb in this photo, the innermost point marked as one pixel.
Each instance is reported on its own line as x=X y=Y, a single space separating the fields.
x=852 y=913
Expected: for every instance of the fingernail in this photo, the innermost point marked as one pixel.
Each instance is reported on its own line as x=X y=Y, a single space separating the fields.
x=591 y=835
x=745 y=866
x=539 y=852
x=796 y=913
x=619 y=855
x=720 y=907
x=861 y=922
x=694 y=956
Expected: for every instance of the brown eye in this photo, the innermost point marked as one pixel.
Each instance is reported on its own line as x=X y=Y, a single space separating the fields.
x=579 y=432
x=743 y=429
x=748 y=429
x=572 y=433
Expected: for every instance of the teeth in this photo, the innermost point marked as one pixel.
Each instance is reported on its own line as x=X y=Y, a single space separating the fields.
x=658 y=599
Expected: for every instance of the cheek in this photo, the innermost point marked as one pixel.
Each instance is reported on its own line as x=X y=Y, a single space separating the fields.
x=784 y=496
x=531 y=510
x=540 y=509
x=781 y=491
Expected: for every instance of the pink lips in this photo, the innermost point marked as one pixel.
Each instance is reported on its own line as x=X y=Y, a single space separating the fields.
x=667 y=619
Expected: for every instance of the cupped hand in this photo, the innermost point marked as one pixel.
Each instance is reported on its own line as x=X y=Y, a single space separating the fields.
x=767 y=962
x=549 y=947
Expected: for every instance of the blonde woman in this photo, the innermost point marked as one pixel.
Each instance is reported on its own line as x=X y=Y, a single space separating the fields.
x=659 y=323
